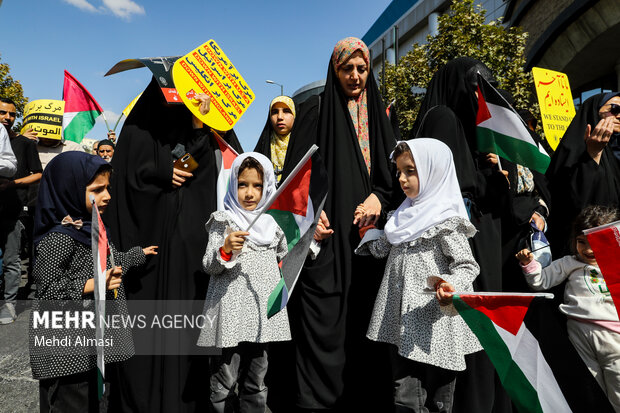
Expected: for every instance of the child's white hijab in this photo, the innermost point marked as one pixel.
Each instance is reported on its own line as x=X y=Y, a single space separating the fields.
x=439 y=197
x=264 y=230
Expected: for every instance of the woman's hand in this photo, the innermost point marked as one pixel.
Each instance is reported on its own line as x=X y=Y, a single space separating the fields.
x=597 y=139
x=538 y=221
x=234 y=241
x=525 y=256
x=152 y=250
x=179 y=177
x=491 y=158
x=368 y=212
x=204 y=103
x=322 y=230
x=443 y=293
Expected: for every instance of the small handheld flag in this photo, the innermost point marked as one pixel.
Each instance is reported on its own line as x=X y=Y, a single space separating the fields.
x=501 y=130
x=605 y=242
x=296 y=207
x=536 y=363
x=225 y=157
x=99 y=243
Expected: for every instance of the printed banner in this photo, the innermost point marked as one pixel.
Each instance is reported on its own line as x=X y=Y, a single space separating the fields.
x=556 y=103
x=208 y=70
x=44 y=116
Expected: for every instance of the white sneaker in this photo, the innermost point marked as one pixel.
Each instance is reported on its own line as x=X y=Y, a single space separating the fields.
x=8 y=313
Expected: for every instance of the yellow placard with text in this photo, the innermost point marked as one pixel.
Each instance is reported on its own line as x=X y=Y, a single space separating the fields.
x=208 y=70
x=44 y=116
x=556 y=103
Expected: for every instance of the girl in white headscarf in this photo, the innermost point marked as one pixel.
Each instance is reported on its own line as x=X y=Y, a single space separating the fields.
x=426 y=240
x=244 y=271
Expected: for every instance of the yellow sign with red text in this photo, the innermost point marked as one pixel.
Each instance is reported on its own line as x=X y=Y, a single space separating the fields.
x=44 y=116
x=208 y=70
x=556 y=103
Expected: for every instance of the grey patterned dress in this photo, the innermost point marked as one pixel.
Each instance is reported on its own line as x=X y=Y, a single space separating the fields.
x=60 y=271
x=404 y=316
x=236 y=303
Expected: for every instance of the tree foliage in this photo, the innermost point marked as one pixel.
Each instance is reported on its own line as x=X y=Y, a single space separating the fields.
x=462 y=32
x=12 y=89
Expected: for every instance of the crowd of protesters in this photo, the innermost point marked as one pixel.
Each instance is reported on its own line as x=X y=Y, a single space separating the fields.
x=361 y=331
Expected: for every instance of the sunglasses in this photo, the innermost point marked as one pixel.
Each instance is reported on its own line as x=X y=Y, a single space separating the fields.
x=614 y=109
x=4 y=112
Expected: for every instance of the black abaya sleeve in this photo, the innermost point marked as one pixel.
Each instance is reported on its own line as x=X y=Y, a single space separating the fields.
x=142 y=176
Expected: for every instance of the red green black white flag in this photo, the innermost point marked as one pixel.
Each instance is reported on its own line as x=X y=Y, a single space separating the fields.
x=296 y=207
x=501 y=130
x=224 y=159
x=525 y=340
x=99 y=244
x=81 y=109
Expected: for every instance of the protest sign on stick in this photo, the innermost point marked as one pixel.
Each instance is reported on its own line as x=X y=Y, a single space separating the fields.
x=207 y=69
x=556 y=103
x=44 y=116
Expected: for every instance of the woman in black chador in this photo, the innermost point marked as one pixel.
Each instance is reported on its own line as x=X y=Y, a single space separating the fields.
x=448 y=113
x=331 y=305
x=154 y=202
x=585 y=168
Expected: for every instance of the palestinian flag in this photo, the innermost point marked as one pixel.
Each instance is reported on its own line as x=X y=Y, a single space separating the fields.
x=525 y=337
x=296 y=207
x=605 y=242
x=224 y=159
x=81 y=109
x=501 y=130
x=99 y=243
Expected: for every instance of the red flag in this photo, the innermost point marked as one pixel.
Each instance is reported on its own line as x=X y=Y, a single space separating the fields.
x=605 y=242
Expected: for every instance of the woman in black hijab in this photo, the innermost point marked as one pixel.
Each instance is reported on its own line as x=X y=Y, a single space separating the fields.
x=154 y=202
x=331 y=306
x=585 y=168
x=448 y=113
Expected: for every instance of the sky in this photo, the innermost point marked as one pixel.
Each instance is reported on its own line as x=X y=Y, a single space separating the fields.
x=289 y=42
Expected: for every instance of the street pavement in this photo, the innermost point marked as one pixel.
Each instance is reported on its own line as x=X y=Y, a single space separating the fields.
x=19 y=392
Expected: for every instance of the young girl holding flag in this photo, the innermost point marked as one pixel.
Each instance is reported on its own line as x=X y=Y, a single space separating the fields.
x=593 y=325
x=426 y=242
x=244 y=271
x=63 y=273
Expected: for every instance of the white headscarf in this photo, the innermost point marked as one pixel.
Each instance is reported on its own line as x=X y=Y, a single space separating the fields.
x=439 y=196
x=264 y=230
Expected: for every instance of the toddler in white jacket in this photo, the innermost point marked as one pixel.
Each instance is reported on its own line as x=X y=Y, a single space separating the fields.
x=593 y=325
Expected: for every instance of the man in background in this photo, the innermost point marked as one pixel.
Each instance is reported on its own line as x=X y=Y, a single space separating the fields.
x=14 y=200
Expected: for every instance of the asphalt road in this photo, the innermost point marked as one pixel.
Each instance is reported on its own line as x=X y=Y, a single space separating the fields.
x=19 y=392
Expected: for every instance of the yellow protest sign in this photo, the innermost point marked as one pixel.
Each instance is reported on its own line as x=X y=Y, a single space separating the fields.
x=208 y=70
x=44 y=116
x=556 y=103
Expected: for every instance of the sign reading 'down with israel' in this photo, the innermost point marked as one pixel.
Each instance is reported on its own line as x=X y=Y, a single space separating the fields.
x=44 y=116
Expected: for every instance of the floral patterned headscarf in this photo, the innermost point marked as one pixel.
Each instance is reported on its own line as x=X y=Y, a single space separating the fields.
x=358 y=107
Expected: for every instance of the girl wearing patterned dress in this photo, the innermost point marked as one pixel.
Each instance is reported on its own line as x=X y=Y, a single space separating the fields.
x=426 y=242
x=244 y=271
x=63 y=273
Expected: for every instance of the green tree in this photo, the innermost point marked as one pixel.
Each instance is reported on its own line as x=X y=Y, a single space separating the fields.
x=12 y=89
x=462 y=32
